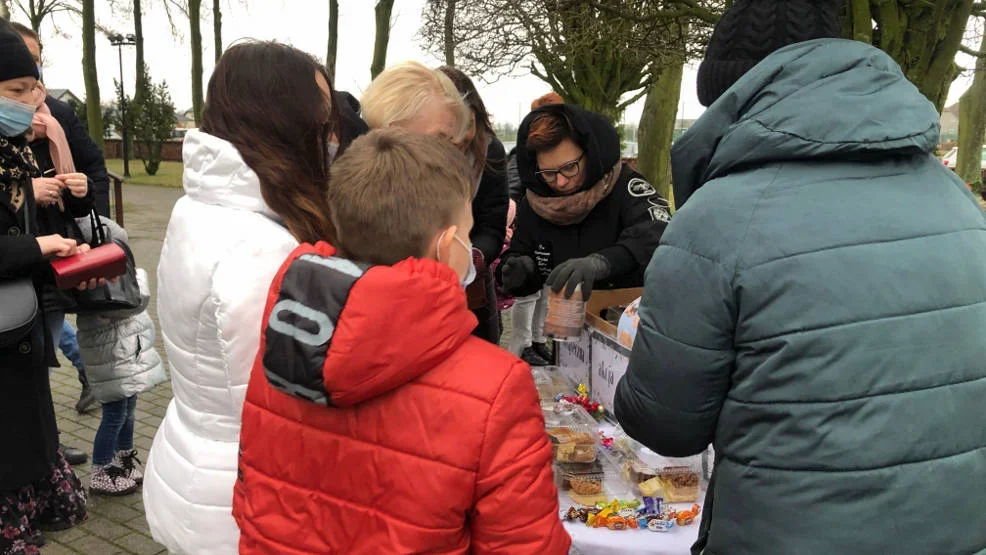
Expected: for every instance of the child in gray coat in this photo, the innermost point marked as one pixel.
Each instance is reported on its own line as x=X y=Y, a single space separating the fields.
x=118 y=350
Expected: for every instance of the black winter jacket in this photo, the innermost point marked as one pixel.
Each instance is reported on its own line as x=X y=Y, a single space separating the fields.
x=29 y=436
x=514 y=184
x=489 y=207
x=86 y=155
x=52 y=221
x=625 y=227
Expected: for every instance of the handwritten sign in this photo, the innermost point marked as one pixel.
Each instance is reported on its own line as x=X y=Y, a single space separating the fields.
x=609 y=363
x=574 y=359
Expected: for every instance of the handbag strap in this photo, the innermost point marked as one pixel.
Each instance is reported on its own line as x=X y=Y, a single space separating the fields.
x=96 y=225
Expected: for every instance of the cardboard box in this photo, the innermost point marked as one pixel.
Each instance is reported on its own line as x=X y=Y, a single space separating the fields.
x=601 y=300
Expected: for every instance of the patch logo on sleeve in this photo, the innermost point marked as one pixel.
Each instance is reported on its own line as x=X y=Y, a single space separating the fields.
x=640 y=188
x=659 y=214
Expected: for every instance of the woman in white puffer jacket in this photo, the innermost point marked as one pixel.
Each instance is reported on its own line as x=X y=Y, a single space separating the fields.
x=256 y=176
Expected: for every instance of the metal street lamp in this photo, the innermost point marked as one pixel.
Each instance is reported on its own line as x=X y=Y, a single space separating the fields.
x=119 y=41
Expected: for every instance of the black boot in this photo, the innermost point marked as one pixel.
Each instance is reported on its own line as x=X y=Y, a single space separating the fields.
x=530 y=356
x=74 y=456
x=544 y=352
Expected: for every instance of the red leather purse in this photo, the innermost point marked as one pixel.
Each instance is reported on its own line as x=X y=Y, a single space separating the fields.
x=107 y=261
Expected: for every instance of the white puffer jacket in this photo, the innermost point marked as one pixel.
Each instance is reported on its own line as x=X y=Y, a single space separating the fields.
x=220 y=254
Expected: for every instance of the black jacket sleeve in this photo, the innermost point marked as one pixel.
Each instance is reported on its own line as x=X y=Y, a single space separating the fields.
x=86 y=155
x=19 y=256
x=644 y=215
x=489 y=208
x=522 y=244
x=514 y=184
x=80 y=207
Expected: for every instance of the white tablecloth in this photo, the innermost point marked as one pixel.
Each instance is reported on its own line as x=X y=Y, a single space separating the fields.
x=603 y=541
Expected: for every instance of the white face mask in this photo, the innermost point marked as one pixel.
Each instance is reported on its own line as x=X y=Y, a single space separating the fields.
x=471 y=274
x=332 y=149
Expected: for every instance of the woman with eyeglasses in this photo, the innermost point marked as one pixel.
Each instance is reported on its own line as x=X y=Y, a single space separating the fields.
x=586 y=217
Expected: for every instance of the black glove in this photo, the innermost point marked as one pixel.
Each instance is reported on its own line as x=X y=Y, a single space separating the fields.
x=515 y=272
x=586 y=271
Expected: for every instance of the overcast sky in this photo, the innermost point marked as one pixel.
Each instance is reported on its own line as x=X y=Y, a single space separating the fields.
x=301 y=23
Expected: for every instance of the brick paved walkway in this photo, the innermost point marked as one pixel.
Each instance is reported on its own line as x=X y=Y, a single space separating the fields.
x=117 y=525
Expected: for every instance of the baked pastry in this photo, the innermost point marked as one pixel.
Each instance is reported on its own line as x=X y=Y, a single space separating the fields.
x=586 y=485
x=679 y=483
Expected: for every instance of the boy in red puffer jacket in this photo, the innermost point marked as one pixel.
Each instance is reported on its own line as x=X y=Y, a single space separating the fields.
x=374 y=422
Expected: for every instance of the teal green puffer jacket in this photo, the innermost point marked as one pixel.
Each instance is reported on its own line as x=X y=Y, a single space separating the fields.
x=817 y=311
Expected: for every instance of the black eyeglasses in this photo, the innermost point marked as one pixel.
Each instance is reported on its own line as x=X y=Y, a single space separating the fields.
x=569 y=170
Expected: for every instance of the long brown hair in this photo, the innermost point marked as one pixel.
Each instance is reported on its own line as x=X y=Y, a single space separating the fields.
x=484 y=126
x=263 y=98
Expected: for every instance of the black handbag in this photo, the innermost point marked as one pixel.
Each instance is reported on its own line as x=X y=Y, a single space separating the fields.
x=19 y=300
x=122 y=295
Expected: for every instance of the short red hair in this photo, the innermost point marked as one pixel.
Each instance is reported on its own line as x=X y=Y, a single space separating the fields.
x=544 y=100
x=547 y=131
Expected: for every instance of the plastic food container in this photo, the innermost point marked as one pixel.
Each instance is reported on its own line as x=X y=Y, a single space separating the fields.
x=606 y=488
x=680 y=484
x=566 y=316
x=652 y=475
x=572 y=432
x=580 y=478
x=551 y=383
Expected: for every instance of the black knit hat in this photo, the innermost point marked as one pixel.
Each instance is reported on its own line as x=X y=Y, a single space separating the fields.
x=751 y=30
x=15 y=59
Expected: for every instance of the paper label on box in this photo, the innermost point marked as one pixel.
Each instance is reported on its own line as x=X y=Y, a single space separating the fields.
x=609 y=363
x=574 y=359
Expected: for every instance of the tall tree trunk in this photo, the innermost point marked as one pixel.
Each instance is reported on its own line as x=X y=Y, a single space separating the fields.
x=141 y=71
x=383 y=10
x=195 y=21
x=450 y=33
x=330 y=56
x=94 y=111
x=217 y=27
x=923 y=37
x=5 y=10
x=972 y=125
x=656 y=130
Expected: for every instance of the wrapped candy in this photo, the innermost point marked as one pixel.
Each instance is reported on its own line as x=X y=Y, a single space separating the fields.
x=660 y=525
x=652 y=505
x=616 y=523
x=686 y=517
x=634 y=523
x=583 y=400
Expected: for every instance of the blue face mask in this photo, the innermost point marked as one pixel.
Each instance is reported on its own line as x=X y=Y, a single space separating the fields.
x=15 y=117
x=471 y=273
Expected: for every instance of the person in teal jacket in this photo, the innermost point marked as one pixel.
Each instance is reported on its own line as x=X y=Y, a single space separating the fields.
x=816 y=307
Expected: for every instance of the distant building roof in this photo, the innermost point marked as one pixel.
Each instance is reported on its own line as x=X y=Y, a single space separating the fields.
x=64 y=95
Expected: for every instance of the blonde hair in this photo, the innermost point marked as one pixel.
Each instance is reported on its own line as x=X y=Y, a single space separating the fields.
x=402 y=90
x=392 y=192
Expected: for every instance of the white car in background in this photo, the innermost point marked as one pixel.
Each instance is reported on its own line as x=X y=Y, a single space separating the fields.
x=952 y=158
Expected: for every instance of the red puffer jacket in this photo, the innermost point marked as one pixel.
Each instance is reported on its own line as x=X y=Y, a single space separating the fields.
x=374 y=422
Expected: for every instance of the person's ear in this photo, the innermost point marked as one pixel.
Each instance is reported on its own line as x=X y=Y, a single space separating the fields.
x=441 y=249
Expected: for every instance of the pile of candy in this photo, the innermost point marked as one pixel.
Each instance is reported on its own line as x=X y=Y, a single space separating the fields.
x=623 y=515
x=582 y=399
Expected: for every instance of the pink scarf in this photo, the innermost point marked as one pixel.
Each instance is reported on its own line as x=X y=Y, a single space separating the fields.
x=47 y=127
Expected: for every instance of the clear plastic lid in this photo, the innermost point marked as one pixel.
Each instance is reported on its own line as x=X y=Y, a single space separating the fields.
x=551 y=383
x=677 y=480
x=572 y=432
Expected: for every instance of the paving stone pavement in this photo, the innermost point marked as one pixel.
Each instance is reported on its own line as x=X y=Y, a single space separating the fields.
x=117 y=524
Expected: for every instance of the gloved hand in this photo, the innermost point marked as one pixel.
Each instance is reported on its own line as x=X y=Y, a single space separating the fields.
x=586 y=271
x=515 y=272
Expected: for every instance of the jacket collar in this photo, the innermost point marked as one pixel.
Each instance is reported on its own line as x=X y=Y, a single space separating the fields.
x=216 y=174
